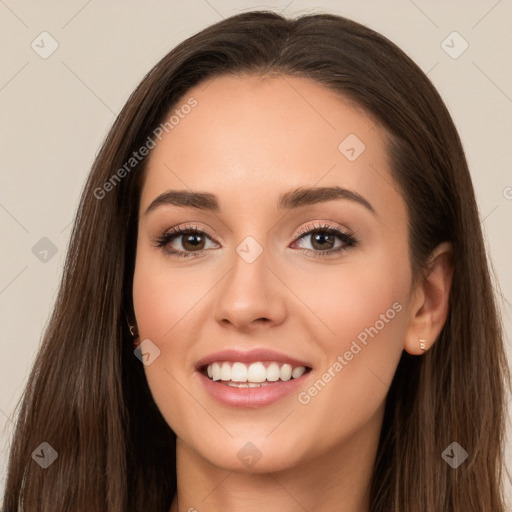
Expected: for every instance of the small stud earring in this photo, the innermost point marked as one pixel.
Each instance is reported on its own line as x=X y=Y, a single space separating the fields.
x=422 y=343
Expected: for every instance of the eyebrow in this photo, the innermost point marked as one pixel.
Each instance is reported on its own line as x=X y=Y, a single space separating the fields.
x=302 y=196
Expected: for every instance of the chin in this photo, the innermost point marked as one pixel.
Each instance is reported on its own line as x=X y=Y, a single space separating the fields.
x=246 y=456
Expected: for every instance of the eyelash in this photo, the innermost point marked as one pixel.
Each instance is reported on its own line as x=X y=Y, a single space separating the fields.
x=347 y=238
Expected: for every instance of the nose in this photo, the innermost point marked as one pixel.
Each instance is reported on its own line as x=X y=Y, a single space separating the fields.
x=252 y=296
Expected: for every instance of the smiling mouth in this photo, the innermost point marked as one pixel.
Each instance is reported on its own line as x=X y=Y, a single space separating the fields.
x=253 y=375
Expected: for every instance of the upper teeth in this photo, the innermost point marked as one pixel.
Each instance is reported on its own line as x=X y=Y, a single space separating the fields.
x=255 y=372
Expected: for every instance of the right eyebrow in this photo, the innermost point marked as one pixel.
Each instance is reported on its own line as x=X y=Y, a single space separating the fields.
x=184 y=198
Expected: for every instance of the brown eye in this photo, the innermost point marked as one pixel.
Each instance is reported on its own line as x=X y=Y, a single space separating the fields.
x=322 y=241
x=192 y=241
x=325 y=240
x=184 y=242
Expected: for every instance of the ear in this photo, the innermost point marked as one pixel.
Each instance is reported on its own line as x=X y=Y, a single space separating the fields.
x=430 y=303
x=132 y=327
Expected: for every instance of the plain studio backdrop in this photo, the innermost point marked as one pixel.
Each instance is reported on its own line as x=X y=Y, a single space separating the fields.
x=68 y=68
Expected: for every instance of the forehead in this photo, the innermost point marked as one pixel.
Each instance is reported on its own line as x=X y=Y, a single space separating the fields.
x=250 y=137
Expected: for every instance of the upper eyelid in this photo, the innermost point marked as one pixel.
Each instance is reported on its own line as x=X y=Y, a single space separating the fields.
x=181 y=230
x=178 y=231
x=319 y=225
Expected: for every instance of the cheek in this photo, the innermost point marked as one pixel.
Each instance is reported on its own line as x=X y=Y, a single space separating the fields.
x=351 y=297
x=361 y=340
x=365 y=312
x=171 y=304
x=163 y=296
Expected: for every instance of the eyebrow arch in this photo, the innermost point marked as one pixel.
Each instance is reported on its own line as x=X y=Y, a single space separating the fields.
x=302 y=196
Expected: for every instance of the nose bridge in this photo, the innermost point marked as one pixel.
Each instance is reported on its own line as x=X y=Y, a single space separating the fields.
x=250 y=291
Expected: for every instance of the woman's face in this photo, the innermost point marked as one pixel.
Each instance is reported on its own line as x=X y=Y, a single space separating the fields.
x=259 y=284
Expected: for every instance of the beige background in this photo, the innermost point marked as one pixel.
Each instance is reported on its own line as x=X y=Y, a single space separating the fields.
x=56 y=112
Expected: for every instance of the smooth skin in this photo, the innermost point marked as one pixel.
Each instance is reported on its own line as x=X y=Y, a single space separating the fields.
x=248 y=140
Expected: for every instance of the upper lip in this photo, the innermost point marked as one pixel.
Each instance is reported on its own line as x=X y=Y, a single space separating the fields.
x=249 y=356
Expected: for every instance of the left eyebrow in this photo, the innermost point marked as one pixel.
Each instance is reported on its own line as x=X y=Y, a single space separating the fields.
x=302 y=196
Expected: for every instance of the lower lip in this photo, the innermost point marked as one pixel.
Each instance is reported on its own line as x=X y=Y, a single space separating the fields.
x=251 y=397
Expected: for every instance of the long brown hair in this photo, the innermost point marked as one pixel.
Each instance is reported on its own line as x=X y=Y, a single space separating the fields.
x=87 y=394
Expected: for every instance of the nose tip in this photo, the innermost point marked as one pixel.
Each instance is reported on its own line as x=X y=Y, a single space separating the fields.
x=250 y=296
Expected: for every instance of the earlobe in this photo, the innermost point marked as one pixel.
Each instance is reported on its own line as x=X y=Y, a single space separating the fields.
x=430 y=307
x=132 y=326
x=135 y=340
x=133 y=330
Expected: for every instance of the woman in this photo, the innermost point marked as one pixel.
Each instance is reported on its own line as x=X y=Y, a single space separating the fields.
x=276 y=294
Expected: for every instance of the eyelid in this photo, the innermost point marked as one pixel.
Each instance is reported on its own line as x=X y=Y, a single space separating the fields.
x=319 y=225
x=191 y=227
x=170 y=234
x=316 y=225
x=344 y=234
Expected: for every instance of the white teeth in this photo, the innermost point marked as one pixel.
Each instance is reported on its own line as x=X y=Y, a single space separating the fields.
x=297 y=372
x=273 y=372
x=286 y=372
x=254 y=375
x=215 y=371
x=238 y=372
x=247 y=384
x=225 y=371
